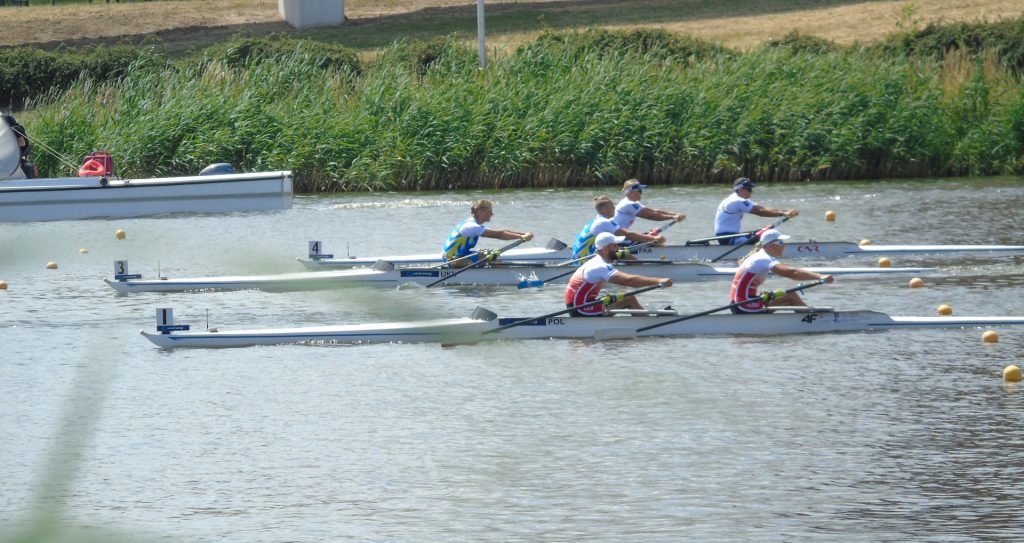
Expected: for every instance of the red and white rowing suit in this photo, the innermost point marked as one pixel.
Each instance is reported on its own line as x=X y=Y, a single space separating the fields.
x=585 y=285
x=749 y=276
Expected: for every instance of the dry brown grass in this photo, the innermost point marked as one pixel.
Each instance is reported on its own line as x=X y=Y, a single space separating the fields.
x=206 y=20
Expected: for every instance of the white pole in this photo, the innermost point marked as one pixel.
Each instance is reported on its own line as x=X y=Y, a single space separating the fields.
x=480 y=33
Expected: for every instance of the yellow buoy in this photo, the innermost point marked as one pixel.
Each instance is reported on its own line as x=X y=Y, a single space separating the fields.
x=83 y=250
x=1011 y=373
x=864 y=242
x=830 y=216
x=990 y=336
x=3 y=285
x=119 y=234
x=945 y=310
x=916 y=282
x=884 y=262
x=51 y=265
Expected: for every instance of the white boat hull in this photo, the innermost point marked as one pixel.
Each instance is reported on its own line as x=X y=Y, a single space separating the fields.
x=679 y=253
x=85 y=197
x=496 y=276
x=469 y=330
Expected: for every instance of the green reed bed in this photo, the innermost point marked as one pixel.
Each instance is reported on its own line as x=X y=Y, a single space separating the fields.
x=554 y=116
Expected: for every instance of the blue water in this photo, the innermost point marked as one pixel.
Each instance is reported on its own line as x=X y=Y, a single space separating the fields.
x=887 y=436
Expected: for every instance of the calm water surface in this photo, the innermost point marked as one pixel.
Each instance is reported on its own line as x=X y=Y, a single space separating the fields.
x=894 y=436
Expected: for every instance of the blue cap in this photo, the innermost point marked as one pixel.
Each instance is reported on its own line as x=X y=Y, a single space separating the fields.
x=744 y=183
x=632 y=185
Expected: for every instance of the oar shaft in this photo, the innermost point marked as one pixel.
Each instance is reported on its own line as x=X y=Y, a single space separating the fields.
x=601 y=300
x=730 y=306
x=776 y=224
x=477 y=263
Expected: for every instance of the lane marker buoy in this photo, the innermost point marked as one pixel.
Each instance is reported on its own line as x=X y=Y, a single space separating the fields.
x=916 y=282
x=945 y=310
x=1011 y=373
x=51 y=265
x=864 y=242
x=83 y=250
x=119 y=234
x=990 y=336
x=3 y=285
x=884 y=262
x=830 y=216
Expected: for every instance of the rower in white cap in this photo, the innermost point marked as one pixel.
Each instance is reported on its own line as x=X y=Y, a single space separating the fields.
x=629 y=208
x=586 y=284
x=754 y=269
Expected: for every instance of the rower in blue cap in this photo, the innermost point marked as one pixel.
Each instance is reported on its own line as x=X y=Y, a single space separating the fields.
x=731 y=210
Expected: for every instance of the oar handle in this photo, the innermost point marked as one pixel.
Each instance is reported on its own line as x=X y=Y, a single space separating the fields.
x=660 y=229
x=766 y=296
x=607 y=299
x=488 y=258
x=776 y=224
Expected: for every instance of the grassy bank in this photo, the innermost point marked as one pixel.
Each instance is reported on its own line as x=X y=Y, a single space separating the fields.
x=561 y=111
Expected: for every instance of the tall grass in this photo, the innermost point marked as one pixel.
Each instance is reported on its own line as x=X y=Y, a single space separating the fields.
x=551 y=115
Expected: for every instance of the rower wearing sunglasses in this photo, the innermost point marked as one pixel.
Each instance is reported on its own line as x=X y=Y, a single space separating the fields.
x=629 y=208
x=733 y=207
x=754 y=269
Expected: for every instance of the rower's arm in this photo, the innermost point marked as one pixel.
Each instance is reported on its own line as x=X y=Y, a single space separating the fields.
x=799 y=274
x=653 y=214
x=637 y=237
x=507 y=234
x=762 y=211
x=630 y=280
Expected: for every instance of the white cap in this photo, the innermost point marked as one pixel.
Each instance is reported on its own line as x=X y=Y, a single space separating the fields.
x=769 y=236
x=605 y=239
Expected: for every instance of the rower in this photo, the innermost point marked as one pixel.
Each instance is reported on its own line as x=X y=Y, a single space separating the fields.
x=603 y=222
x=585 y=285
x=464 y=236
x=754 y=269
x=629 y=208
x=733 y=207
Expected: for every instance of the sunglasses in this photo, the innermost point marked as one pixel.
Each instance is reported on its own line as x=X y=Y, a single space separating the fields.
x=636 y=188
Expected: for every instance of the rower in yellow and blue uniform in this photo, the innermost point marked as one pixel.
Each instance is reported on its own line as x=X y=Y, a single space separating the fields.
x=603 y=222
x=463 y=238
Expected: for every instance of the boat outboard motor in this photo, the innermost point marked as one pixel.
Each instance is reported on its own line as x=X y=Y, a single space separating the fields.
x=220 y=168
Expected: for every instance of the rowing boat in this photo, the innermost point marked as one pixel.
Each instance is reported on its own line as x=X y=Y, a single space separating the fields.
x=623 y=324
x=385 y=275
x=558 y=252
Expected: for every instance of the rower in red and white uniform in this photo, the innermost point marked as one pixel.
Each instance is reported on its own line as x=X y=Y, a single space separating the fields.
x=586 y=284
x=754 y=269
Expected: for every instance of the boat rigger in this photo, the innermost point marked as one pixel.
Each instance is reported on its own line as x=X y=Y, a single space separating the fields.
x=482 y=325
x=556 y=252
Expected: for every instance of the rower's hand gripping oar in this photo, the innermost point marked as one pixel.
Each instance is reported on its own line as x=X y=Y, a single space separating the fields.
x=625 y=251
x=766 y=296
x=607 y=299
x=490 y=257
x=772 y=226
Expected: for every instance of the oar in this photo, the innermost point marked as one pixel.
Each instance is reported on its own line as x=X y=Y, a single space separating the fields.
x=774 y=225
x=607 y=299
x=661 y=229
x=489 y=258
x=622 y=252
x=764 y=297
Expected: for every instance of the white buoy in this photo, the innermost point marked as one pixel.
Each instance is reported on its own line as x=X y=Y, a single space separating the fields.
x=83 y=250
